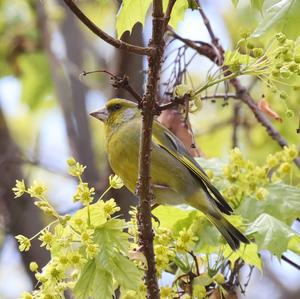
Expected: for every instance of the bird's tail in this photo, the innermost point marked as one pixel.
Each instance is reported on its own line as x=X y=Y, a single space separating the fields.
x=231 y=234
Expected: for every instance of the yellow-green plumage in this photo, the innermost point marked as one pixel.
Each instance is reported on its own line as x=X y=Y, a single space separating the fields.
x=175 y=175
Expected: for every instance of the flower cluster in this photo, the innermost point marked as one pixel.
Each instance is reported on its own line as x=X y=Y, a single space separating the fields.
x=247 y=179
x=70 y=239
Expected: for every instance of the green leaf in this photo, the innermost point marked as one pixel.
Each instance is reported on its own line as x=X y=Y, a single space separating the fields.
x=273 y=15
x=248 y=253
x=271 y=234
x=111 y=236
x=112 y=242
x=126 y=273
x=208 y=236
x=131 y=12
x=178 y=12
x=203 y=280
x=94 y=282
x=281 y=202
x=36 y=79
x=294 y=244
x=170 y=217
x=257 y=4
x=97 y=215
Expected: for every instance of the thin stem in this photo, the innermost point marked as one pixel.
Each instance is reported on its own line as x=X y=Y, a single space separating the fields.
x=105 y=192
x=103 y=35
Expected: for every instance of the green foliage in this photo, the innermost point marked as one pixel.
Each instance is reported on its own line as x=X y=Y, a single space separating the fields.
x=257 y=4
x=93 y=253
x=271 y=234
x=248 y=253
x=131 y=12
x=178 y=12
x=134 y=11
x=281 y=202
x=36 y=79
x=273 y=15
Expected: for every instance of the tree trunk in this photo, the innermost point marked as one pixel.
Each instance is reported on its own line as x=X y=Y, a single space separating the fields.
x=20 y=215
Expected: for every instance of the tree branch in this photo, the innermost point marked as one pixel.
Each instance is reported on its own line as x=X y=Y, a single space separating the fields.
x=118 y=82
x=103 y=35
x=144 y=190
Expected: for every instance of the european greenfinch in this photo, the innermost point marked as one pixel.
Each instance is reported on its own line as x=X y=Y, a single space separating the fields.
x=175 y=176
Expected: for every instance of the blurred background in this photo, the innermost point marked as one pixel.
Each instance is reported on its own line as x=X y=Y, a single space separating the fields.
x=44 y=106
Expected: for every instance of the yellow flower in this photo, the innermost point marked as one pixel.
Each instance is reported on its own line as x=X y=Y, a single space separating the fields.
x=272 y=161
x=186 y=240
x=26 y=295
x=199 y=292
x=110 y=207
x=75 y=168
x=19 y=188
x=166 y=293
x=37 y=189
x=87 y=236
x=261 y=193
x=24 y=243
x=290 y=152
x=47 y=238
x=84 y=194
x=115 y=182
x=91 y=250
x=76 y=258
x=285 y=168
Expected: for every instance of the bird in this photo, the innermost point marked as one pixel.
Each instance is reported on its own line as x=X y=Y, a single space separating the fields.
x=176 y=177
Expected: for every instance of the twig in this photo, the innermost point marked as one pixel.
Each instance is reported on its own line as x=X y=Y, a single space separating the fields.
x=196 y=262
x=118 y=82
x=103 y=35
x=286 y=259
x=202 y=48
x=168 y=13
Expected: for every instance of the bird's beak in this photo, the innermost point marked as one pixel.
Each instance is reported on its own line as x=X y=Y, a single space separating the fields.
x=101 y=114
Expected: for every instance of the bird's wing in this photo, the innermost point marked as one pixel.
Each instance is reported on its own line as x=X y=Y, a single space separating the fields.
x=169 y=142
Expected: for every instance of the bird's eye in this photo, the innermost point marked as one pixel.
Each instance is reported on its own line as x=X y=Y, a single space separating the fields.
x=117 y=107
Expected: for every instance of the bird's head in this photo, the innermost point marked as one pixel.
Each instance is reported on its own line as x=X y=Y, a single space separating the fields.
x=116 y=112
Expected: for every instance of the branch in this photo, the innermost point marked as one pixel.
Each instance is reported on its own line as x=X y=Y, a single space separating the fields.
x=118 y=82
x=241 y=91
x=168 y=13
x=181 y=100
x=286 y=259
x=144 y=190
x=202 y=48
x=103 y=35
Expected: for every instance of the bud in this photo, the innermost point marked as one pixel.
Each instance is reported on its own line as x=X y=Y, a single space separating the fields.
x=33 y=266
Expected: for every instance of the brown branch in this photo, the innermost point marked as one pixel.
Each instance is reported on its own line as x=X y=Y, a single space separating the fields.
x=118 y=82
x=168 y=13
x=202 y=48
x=144 y=190
x=181 y=100
x=286 y=259
x=103 y=35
